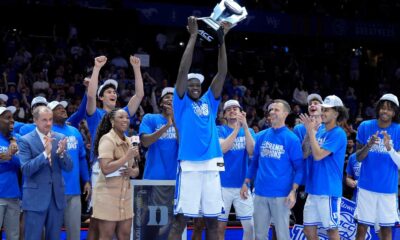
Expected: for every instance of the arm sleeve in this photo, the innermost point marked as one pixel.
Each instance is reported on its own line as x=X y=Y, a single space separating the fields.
x=361 y=134
x=29 y=165
x=79 y=115
x=298 y=133
x=252 y=170
x=145 y=125
x=17 y=126
x=83 y=166
x=297 y=161
x=27 y=128
x=106 y=148
x=333 y=141
x=126 y=108
x=65 y=160
x=221 y=132
x=395 y=157
x=178 y=104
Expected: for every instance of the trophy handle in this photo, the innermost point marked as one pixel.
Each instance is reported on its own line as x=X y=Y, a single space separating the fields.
x=233 y=7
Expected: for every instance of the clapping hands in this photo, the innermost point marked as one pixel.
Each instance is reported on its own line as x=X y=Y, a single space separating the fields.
x=387 y=140
x=62 y=146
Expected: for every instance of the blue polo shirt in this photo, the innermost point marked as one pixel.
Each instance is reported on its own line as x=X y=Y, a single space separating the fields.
x=79 y=115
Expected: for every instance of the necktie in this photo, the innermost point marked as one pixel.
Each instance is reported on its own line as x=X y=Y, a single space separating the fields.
x=46 y=140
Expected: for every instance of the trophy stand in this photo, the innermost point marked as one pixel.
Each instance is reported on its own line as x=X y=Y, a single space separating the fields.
x=210 y=31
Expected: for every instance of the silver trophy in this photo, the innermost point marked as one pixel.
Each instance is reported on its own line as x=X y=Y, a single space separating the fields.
x=210 y=29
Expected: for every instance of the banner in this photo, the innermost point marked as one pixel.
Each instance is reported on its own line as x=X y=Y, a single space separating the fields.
x=270 y=22
x=153 y=212
x=347 y=229
x=153 y=203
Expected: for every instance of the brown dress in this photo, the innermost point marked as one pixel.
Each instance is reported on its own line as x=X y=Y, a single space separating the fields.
x=112 y=196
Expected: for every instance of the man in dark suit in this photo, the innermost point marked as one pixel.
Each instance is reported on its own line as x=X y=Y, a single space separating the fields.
x=42 y=155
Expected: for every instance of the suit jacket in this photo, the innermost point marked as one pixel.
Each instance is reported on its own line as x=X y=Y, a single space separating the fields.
x=41 y=179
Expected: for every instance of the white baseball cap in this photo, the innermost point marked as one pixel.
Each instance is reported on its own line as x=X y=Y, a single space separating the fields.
x=196 y=76
x=54 y=104
x=167 y=90
x=38 y=100
x=231 y=103
x=107 y=82
x=390 y=97
x=332 y=101
x=314 y=96
x=12 y=109
x=3 y=97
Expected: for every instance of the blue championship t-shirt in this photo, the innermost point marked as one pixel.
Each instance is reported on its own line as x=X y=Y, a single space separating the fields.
x=162 y=155
x=195 y=120
x=326 y=175
x=9 y=186
x=77 y=152
x=378 y=171
x=277 y=162
x=236 y=159
x=301 y=131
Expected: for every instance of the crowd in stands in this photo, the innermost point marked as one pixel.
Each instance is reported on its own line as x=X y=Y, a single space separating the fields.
x=55 y=67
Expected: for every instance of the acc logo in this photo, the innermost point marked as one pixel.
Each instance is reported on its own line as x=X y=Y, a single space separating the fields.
x=347 y=228
x=205 y=35
x=348 y=225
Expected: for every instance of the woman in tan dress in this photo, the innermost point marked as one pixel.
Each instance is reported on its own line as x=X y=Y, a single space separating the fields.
x=113 y=203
